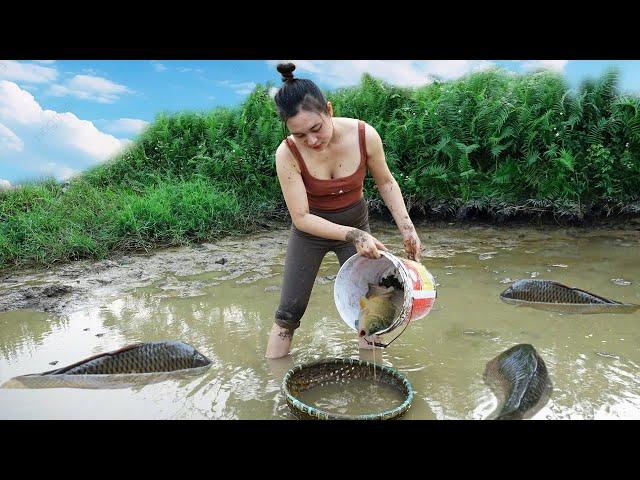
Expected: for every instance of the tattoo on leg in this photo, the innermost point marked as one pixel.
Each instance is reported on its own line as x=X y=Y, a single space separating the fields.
x=284 y=334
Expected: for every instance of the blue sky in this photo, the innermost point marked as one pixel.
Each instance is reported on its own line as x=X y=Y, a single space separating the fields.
x=58 y=118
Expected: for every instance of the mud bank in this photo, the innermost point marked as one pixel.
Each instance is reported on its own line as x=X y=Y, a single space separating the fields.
x=64 y=288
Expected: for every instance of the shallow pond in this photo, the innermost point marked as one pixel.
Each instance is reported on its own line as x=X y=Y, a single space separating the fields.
x=221 y=297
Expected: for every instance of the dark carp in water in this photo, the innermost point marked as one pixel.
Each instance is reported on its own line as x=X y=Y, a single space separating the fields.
x=135 y=364
x=556 y=297
x=518 y=378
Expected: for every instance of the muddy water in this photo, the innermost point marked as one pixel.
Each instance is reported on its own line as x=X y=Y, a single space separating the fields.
x=355 y=397
x=220 y=298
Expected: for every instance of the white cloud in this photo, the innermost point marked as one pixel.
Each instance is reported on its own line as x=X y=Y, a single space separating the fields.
x=132 y=126
x=94 y=72
x=452 y=69
x=9 y=140
x=159 y=67
x=26 y=72
x=407 y=73
x=5 y=184
x=45 y=62
x=555 y=65
x=273 y=91
x=51 y=129
x=83 y=135
x=89 y=87
x=61 y=172
x=18 y=105
x=187 y=69
x=241 y=88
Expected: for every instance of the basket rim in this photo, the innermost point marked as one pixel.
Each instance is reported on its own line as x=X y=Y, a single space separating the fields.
x=297 y=405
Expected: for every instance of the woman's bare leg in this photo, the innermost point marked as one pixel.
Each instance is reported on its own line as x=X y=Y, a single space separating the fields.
x=279 y=342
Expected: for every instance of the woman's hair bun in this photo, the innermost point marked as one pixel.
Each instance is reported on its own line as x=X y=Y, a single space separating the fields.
x=286 y=70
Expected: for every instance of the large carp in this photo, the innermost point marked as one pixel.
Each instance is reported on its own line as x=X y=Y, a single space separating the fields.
x=378 y=309
x=556 y=297
x=519 y=379
x=135 y=364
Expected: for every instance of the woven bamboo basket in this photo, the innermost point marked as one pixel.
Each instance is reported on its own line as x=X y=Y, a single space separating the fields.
x=336 y=370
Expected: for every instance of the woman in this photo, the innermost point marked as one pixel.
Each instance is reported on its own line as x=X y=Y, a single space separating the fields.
x=321 y=169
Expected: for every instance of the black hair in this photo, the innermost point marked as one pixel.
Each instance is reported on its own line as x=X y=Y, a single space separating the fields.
x=297 y=94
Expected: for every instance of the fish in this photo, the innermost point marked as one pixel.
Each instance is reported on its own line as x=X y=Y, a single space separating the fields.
x=378 y=309
x=518 y=377
x=135 y=364
x=556 y=297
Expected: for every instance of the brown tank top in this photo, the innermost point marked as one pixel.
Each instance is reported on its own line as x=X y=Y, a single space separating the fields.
x=335 y=193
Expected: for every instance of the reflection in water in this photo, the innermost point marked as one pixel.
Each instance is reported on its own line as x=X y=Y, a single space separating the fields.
x=280 y=366
x=135 y=381
x=592 y=360
x=22 y=330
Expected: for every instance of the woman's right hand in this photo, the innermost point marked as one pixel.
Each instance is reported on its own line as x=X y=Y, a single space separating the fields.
x=366 y=244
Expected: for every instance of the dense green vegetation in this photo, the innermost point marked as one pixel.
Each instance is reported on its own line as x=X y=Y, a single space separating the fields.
x=491 y=144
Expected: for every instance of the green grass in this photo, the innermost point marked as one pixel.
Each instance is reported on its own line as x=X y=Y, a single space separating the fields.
x=42 y=225
x=491 y=142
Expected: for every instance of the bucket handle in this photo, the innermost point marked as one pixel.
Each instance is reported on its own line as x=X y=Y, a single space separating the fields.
x=377 y=344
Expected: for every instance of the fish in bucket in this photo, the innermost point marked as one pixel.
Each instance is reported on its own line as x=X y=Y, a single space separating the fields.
x=361 y=282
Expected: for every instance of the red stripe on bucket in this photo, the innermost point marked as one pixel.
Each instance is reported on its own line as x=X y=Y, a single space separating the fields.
x=422 y=299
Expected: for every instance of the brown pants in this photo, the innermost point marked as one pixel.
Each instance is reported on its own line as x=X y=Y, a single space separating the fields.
x=304 y=256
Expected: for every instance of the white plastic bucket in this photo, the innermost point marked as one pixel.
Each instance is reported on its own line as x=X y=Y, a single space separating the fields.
x=355 y=275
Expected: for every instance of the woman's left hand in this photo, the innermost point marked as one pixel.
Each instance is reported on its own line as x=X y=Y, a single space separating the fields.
x=412 y=245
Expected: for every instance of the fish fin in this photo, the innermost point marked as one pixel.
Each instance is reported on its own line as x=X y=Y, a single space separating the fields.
x=605 y=300
x=64 y=369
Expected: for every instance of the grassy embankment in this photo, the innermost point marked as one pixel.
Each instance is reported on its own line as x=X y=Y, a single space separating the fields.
x=490 y=145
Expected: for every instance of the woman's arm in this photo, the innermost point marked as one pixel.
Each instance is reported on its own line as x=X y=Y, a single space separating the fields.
x=390 y=192
x=295 y=196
